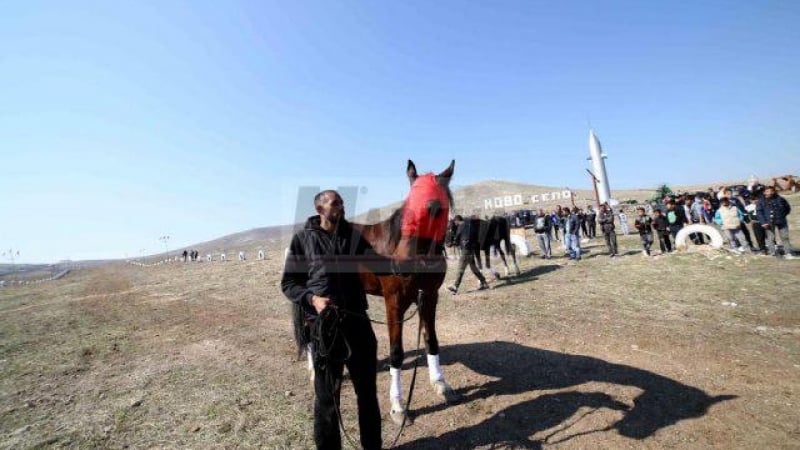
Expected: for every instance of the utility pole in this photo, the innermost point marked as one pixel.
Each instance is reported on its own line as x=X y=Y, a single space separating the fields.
x=165 y=240
x=571 y=197
x=10 y=253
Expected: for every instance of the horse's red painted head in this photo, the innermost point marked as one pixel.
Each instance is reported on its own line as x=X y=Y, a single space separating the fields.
x=427 y=207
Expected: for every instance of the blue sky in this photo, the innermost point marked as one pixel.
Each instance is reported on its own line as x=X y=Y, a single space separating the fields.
x=124 y=121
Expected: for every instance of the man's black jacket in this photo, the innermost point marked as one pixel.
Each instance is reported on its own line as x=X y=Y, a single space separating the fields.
x=326 y=264
x=773 y=211
x=468 y=233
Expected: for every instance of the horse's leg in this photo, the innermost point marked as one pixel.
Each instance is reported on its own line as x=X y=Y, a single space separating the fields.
x=435 y=373
x=398 y=411
x=502 y=257
x=487 y=254
x=510 y=250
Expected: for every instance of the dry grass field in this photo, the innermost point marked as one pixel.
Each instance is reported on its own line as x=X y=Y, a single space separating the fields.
x=692 y=350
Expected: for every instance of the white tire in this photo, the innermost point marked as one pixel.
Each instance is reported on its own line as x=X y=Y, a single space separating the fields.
x=708 y=230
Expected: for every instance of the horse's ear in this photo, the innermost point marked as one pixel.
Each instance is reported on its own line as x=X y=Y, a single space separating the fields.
x=444 y=177
x=411 y=171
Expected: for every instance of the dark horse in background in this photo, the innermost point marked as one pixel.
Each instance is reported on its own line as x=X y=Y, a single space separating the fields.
x=416 y=232
x=494 y=232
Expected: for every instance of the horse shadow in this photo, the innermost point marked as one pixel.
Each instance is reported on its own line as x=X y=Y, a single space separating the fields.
x=517 y=369
x=527 y=275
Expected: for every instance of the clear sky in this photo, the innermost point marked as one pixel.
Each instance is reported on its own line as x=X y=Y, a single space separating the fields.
x=124 y=121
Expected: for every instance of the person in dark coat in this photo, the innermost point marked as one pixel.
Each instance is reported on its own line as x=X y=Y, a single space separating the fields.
x=661 y=226
x=644 y=225
x=321 y=277
x=676 y=218
x=606 y=220
x=591 y=221
x=772 y=212
x=468 y=238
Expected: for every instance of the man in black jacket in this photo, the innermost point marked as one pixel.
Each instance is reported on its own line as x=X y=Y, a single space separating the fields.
x=468 y=238
x=321 y=273
x=606 y=219
x=676 y=217
x=661 y=226
x=772 y=211
x=591 y=221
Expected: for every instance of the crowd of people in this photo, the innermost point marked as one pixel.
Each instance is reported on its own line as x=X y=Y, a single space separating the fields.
x=753 y=220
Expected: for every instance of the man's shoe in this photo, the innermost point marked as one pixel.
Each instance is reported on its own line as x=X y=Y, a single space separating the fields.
x=483 y=286
x=453 y=290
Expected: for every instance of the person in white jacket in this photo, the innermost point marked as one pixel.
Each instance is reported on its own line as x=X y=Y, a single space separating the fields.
x=730 y=219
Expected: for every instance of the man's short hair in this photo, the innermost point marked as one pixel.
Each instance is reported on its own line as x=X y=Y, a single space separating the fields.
x=318 y=197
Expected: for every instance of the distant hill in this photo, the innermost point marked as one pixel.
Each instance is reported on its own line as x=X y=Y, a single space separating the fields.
x=472 y=199
x=482 y=198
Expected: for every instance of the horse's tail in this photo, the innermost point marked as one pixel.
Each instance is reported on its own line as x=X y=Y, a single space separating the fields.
x=302 y=332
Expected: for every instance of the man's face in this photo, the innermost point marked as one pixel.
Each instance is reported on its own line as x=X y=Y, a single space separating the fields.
x=331 y=207
x=769 y=192
x=641 y=213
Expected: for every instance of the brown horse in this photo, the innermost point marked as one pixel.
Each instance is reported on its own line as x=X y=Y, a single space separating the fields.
x=415 y=233
x=417 y=230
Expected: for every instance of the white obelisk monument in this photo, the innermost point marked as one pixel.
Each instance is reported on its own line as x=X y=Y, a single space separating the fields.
x=597 y=156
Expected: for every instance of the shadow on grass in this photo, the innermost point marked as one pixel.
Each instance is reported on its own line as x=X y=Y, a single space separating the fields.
x=519 y=369
x=527 y=275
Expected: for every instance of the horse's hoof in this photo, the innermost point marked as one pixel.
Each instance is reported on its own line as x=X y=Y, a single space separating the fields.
x=444 y=390
x=399 y=415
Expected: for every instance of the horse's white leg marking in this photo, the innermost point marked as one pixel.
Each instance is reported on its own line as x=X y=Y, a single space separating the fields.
x=434 y=369
x=396 y=392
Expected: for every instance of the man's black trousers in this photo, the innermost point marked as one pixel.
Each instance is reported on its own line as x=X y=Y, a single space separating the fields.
x=362 y=366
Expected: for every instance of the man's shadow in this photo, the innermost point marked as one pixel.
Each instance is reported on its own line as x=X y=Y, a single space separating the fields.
x=519 y=369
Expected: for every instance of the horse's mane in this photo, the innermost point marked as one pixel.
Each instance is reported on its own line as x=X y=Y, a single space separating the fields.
x=395 y=222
